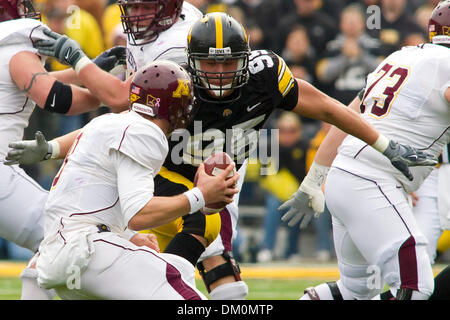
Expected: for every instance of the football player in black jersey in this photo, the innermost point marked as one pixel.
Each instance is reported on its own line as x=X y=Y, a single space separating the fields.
x=236 y=89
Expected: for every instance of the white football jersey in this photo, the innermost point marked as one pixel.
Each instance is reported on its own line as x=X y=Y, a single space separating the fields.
x=86 y=190
x=170 y=44
x=404 y=100
x=15 y=108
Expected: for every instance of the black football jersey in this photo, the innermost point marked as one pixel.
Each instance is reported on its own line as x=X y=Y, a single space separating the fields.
x=233 y=128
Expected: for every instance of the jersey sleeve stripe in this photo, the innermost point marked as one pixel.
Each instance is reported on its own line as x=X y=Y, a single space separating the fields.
x=285 y=78
x=289 y=87
x=175 y=177
x=281 y=69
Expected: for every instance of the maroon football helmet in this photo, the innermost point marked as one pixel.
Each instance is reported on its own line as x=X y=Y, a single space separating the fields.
x=16 y=9
x=143 y=20
x=164 y=90
x=439 y=25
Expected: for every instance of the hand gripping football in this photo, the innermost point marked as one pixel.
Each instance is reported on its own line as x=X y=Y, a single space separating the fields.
x=214 y=165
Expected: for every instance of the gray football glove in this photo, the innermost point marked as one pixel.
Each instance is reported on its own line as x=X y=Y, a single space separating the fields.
x=308 y=201
x=64 y=49
x=404 y=156
x=29 y=151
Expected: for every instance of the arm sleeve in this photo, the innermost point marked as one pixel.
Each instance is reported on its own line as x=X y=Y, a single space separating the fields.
x=134 y=183
x=444 y=74
x=144 y=143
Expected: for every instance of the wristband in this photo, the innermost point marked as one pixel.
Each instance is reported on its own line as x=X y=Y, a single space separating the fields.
x=381 y=144
x=316 y=174
x=83 y=62
x=196 y=200
x=54 y=149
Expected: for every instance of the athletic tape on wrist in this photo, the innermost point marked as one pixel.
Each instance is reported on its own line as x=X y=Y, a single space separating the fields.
x=381 y=144
x=83 y=62
x=196 y=200
x=317 y=174
x=55 y=149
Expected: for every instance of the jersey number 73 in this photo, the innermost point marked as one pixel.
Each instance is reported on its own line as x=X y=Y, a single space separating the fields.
x=382 y=90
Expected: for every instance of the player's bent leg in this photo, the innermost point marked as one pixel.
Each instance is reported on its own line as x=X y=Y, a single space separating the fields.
x=356 y=278
x=398 y=256
x=218 y=268
x=30 y=286
x=416 y=280
x=221 y=275
x=22 y=203
x=426 y=212
x=230 y=291
x=197 y=232
x=325 y=291
x=120 y=270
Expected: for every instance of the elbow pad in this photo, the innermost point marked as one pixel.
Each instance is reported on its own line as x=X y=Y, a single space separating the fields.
x=59 y=99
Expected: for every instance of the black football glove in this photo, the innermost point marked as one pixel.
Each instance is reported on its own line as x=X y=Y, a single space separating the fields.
x=111 y=58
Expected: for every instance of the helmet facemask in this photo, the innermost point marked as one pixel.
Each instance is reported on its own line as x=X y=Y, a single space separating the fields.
x=16 y=9
x=143 y=20
x=219 y=85
x=26 y=9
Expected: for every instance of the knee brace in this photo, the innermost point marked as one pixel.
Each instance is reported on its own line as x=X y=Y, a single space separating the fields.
x=229 y=268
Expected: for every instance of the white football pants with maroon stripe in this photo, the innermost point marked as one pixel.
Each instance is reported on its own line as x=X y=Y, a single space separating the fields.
x=376 y=235
x=119 y=270
x=22 y=203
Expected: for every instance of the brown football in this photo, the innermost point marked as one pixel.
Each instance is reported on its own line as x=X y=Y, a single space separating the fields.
x=214 y=165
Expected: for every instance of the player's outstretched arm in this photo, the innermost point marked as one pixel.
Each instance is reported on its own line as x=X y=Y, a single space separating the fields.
x=447 y=95
x=33 y=151
x=308 y=201
x=315 y=104
x=109 y=89
x=109 y=61
x=210 y=189
x=30 y=76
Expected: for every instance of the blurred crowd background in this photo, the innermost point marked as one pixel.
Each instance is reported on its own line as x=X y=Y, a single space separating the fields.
x=328 y=43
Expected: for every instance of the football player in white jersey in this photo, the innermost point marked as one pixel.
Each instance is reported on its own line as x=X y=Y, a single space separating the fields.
x=24 y=83
x=376 y=235
x=169 y=22
x=104 y=190
x=314 y=103
x=156 y=29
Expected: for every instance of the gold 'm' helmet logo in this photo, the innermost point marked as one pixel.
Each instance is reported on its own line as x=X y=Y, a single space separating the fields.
x=182 y=89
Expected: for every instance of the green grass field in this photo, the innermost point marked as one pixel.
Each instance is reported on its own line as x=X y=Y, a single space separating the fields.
x=279 y=281
x=259 y=289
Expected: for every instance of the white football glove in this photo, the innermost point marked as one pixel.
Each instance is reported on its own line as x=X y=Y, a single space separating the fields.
x=308 y=201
